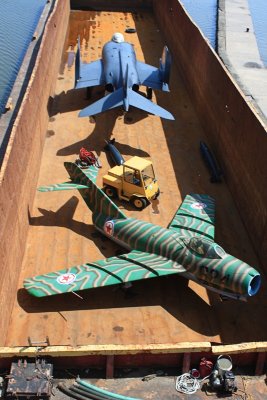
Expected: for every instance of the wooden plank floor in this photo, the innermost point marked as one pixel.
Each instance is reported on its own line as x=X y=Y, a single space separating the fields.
x=167 y=310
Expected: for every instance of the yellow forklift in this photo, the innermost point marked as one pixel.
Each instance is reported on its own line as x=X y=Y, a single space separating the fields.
x=133 y=181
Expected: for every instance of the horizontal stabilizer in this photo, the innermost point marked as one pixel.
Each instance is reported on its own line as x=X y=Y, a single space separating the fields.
x=90 y=172
x=112 y=100
x=61 y=186
x=141 y=102
x=117 y=99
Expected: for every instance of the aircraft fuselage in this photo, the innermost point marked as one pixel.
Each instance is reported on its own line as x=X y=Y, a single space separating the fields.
x=209 y=265
x=117 y=58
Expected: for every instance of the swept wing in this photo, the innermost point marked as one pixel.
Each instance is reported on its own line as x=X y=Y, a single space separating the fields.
x=130 y=267
x=149 y=75
x=196 y=215
x=156 y=78
x=91 y=75
x=87 y=75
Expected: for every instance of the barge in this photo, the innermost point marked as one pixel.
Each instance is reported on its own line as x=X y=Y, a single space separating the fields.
x=167 y=321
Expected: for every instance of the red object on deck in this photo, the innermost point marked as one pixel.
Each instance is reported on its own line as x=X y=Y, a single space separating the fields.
x=205 y=367
x=87 y=156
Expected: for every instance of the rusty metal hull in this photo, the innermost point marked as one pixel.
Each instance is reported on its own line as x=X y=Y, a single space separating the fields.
x=60 y=232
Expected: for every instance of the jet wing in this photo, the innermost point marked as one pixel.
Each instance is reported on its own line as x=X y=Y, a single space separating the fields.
x=149 y=75
x=115 y=270
x=196 y=215
x=91 y=75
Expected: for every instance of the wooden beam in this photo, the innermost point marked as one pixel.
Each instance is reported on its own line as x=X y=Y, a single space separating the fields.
x=61 y=351
x=251 y=347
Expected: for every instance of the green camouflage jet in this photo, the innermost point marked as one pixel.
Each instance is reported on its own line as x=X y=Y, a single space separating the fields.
x=186 y=247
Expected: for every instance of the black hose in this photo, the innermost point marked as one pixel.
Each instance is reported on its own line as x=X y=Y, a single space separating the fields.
x=86 y=393
x=77 y=396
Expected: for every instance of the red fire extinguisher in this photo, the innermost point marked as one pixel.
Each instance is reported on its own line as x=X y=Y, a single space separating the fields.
x=205 y=367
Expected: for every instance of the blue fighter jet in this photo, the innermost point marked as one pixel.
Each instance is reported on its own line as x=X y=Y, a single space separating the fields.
x=122 y=74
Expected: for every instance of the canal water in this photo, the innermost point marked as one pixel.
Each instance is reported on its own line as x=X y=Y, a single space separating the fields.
x=258 y=10
x=204 y=14
x=18 y=21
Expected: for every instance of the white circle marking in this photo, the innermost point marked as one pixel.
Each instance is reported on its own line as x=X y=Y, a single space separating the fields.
x=198 y=206
x=66 y=279
x=109 y=227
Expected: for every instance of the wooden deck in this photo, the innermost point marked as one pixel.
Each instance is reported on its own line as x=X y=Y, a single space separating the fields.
x=160 y=311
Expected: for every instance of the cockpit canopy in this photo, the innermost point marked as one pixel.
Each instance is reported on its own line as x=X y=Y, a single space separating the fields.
x=206 y=248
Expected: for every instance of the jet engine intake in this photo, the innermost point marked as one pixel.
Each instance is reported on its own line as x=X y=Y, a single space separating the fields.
x=109 y=87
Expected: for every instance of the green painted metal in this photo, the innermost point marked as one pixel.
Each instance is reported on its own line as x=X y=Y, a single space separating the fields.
x=61 y=186
x=115 y=270
x=187 y=247
x=195 y=216
x=98 y=202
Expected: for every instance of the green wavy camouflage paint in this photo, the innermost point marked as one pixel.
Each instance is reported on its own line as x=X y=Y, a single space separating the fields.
x=154 y=251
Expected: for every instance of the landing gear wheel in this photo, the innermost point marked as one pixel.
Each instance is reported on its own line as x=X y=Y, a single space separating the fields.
x=138 y=202
x=149 y=93
x=110 y=192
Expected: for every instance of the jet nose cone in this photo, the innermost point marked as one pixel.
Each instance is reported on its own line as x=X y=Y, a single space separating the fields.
x=254 y=284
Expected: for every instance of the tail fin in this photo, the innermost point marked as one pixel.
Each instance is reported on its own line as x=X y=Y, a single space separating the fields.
x=118 y=98
x=98 y=202
x=165 y=68
x=78 y=63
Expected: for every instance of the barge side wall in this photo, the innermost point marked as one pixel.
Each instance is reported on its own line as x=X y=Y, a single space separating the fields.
x=20 y=168
x=237 y=137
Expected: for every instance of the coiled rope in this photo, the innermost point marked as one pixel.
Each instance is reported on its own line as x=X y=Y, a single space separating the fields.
x=187 y=384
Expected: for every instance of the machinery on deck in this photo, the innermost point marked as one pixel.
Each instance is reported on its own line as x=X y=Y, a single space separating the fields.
x=133 y=181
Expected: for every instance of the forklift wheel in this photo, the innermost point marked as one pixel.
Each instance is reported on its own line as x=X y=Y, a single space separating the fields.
x=110 y=191
x=139 y=202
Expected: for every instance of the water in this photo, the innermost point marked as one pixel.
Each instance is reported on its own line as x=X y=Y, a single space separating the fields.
x=258 y=10
x=204 y=14
x=18 y=21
